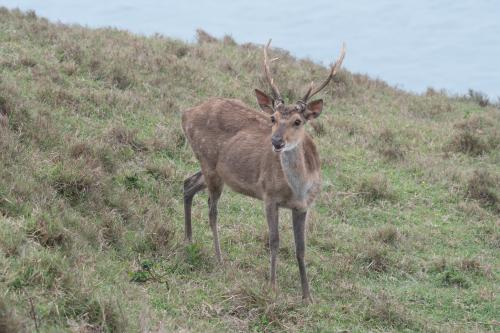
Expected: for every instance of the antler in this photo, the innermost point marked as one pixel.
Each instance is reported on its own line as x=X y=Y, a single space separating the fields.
x=274 y=88
x=310 y=92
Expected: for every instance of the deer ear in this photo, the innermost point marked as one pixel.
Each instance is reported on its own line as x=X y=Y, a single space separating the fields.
x=265 y=102
x=313 y=109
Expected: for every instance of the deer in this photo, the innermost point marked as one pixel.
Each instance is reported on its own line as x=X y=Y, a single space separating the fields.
x=266 y=155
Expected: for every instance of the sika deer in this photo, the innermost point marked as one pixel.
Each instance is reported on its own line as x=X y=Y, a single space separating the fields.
x=265 y=155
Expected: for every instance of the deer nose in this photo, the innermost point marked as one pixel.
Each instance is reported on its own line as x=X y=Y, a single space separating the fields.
x=277 y=142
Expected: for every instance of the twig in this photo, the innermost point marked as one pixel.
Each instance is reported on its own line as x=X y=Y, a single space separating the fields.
x=7 y=200
x=33 y=314
x=350 y=193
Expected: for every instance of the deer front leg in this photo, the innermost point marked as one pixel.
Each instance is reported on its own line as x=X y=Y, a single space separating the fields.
x=299 y=222
x=274 y=238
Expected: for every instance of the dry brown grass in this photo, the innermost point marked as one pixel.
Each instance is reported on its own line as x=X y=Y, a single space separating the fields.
x=388 y=234
x=124 y=136
x=468 y=143
x=476 y=135
x=381 y=308
x=257 y=309
x=80 y=149
x=430 y=106
x=75 y=181
x=5 y=108
x=318 y=127
x=229 y=40
x=160 y=236
x=374 y=258
x=473 y=265
x=483 y=186
x=93 y=314
x=161 y=171
x=375 y=187
x=477 y=97
x=49 y=234
x=9 y=321
x=389 y=146
x=204 y=37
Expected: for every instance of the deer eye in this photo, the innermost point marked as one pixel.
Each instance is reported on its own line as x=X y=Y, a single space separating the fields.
x=297 y=122
x=273 y=120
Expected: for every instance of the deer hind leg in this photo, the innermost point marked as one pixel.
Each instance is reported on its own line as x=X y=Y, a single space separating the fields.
x=192 y=185
x=215 y=185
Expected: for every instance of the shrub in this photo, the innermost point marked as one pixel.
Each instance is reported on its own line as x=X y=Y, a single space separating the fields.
x=375 y=187
x=12 y=237
x=181 y=51
x=375 y=259
x=124 y=136
x=74 y=181
x=477 y=97
x=27 y=62
x=159 y=235
x=160 y=171
x=48 y=232
x=120 y=77
x=229 y=40
x=194 y=255
x=476 y=135
x=483 y=186
x=467 y=142
x=102 y=315
x=204 y=37
x=389 y=312
x=388 y=146
x=46 y=270
x=80 y=149
x=12 y=207
x=471 y=265
x=429 y=106
x=5 y=108
x=9 y=323
x=147 y=272
x=453 y=278
x=455 y=273
x=388 y=234
x=318 y=127
x=259 y=309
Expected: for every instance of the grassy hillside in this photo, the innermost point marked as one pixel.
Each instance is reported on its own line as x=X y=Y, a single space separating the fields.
x=404 y=237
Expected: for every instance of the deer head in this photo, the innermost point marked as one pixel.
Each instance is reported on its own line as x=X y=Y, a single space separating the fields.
x=288 y=120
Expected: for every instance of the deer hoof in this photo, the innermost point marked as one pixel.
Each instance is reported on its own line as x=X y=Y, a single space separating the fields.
x=307 y=299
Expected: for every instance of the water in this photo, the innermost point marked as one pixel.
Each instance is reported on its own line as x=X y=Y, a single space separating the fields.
x=445 y=44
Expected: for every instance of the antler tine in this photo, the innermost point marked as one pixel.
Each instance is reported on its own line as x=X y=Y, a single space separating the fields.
x=334 y=70
x=274 y=88
x=306 y=96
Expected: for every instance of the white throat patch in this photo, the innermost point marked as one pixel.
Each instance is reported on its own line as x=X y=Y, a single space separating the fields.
x=293 y=169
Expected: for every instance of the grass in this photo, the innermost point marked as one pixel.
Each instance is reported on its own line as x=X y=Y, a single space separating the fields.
x=404 y=237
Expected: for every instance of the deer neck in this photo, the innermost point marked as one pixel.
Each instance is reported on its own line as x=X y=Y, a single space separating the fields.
x=293 y=163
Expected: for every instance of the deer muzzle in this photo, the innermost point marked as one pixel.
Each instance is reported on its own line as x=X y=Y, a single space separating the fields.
x=278 y=143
